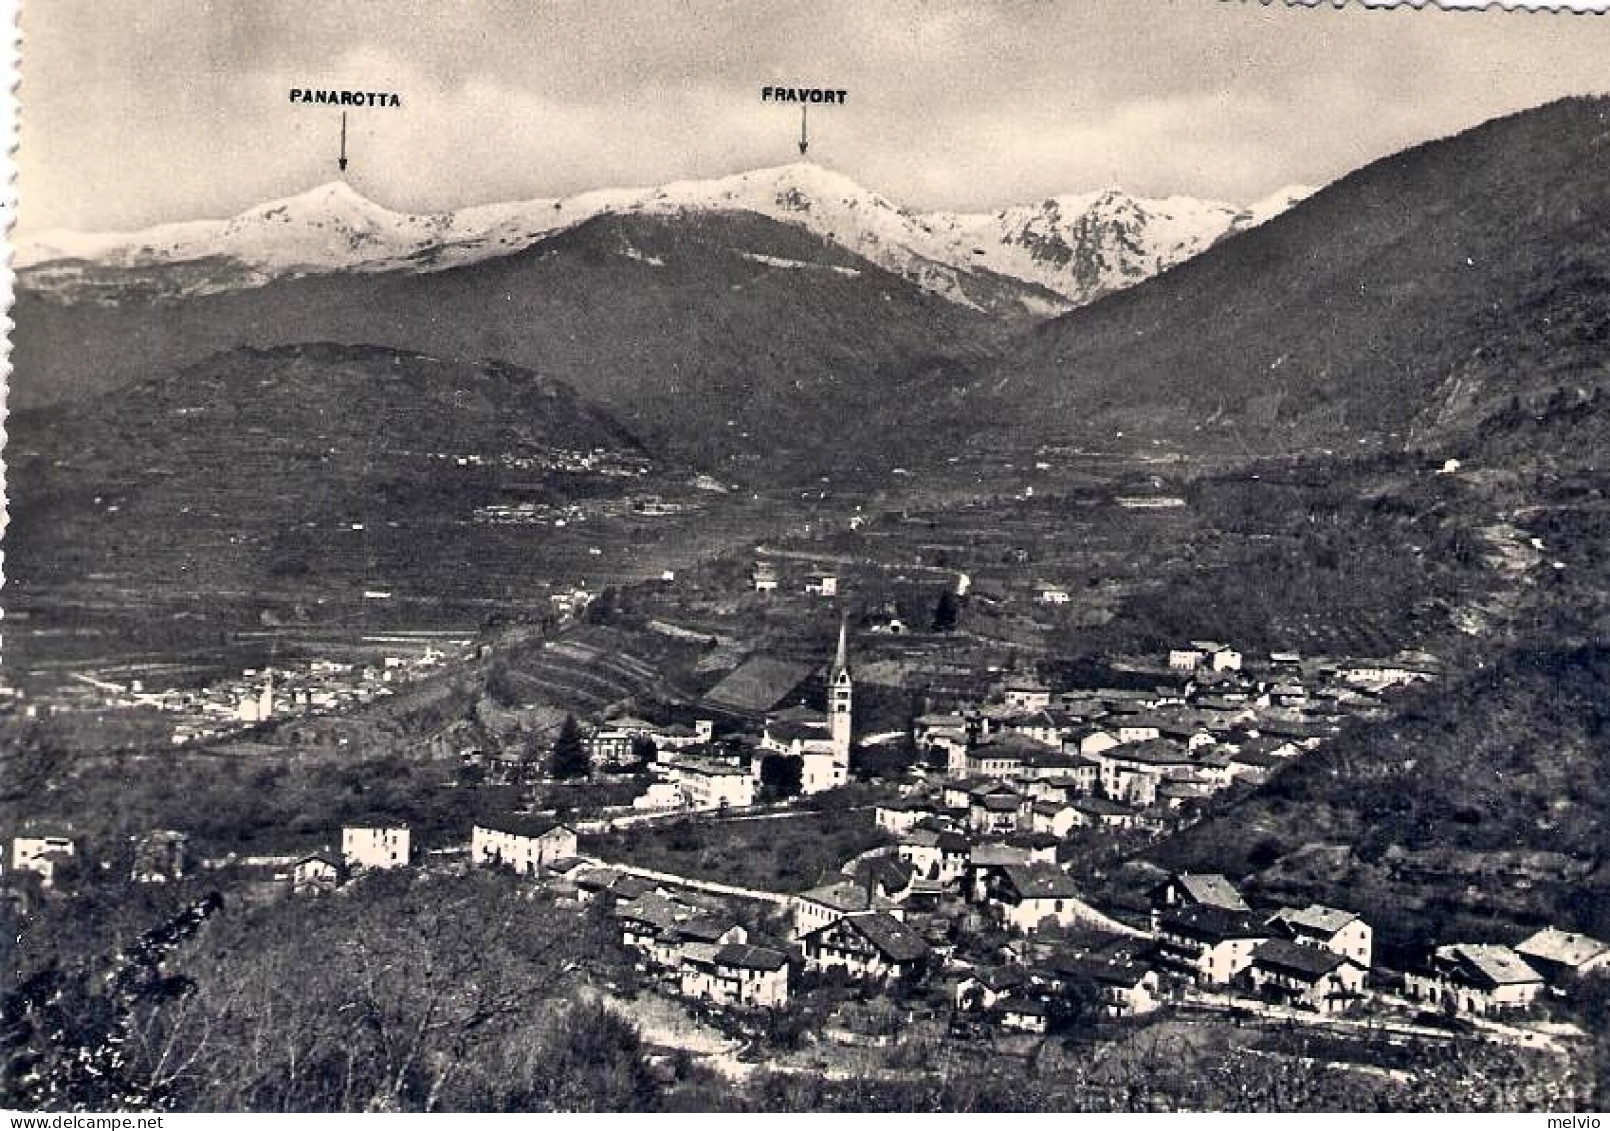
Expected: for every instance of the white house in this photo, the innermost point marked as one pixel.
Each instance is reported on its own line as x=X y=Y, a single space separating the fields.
x=764 y=577
x=1123 y=985
x=900 y=817
x=935 y=854
x=1479 y=978
x=1342 y=932
x=821 y=906
x=1027 y=694
x=1024 y=896
x=1552 y=952
x=660 y=795
x=1205 y=653
x=1312 y=976
x=41 y=855
x=525 y=844
x=375 y=846
x=1089 y=741
x=711 y=784
x=823 y=762
x=871 y=946
x=825 y=586
x=735 y=973
x=1210 y=944
x=317 y=872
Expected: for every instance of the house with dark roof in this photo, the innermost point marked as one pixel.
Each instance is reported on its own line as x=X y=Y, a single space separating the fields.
x=1295 y=974
x=935 y=854
x=663 y=927
x=1119 y=979
x=1344 y=932
x=1131 y=772
x=998 y=758
x=1194 y=889
x=523 y=843
x=1088 y=740
x=1040 y=847
x=318 y=872
x=982 y=989
x=903 y=815
x=1074 y=776
x=590 y=883
x=734 y=974
x=984 y=864
x=1047 y=726
x=994 y=812
x=1254 y=766
x=1054 y=818
x=1022 y=1014
x=1025 y=896
x=868 y=946
x=1210 y=945
x=829 y=903
x=1555 y=953
x=1479 y=978
x=713 y=783
x=1026 y=693
x=1100 y=812
x=885 y=875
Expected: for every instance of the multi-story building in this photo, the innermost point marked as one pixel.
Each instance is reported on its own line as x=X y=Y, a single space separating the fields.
x=375 y=846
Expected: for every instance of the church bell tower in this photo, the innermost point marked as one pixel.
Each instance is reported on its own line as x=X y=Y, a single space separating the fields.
x=839 y=700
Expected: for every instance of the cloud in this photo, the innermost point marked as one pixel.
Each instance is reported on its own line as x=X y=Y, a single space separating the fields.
x=137 y=111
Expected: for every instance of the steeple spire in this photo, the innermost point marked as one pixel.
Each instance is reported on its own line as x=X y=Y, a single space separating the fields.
x=840 y=695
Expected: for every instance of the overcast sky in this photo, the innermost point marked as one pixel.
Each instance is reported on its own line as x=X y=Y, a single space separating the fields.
x=141 y=111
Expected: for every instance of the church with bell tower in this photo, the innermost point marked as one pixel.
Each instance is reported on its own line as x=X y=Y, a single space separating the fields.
x=840 y=698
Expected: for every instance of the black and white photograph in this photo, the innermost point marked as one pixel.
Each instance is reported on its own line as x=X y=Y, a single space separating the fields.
x=849 y=556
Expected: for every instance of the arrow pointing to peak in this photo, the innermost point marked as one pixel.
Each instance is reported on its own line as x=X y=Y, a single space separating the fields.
x=804 y=142
x=342 y=161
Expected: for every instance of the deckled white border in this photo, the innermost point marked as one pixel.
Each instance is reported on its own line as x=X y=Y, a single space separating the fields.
x=10 y=124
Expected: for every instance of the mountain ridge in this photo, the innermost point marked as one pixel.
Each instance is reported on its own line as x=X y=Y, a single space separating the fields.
x=698 y=332
x=996 y=261
x=1404 y=301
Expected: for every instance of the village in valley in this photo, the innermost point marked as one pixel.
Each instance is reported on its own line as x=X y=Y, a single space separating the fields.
x=956 y=558
x=991 y=823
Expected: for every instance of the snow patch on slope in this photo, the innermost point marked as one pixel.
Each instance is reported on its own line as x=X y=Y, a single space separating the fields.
x=1069 y=248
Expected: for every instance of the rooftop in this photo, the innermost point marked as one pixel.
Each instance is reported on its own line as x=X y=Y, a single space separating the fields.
x=749 y=957
x=517 y=824
x=1041 y=881
x=997 y=855
x=1213 y=924
x=1211 y=889
x=1563 y=947
x=846 y=895
x=1498 y=965
x=1316 y=918
x=1153 y=752
x=893 y=939
x=1293 y=958
x=759 y=683
x=786 y=730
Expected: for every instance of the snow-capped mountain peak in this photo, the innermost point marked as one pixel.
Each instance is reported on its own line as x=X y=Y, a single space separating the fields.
x=1036 y=258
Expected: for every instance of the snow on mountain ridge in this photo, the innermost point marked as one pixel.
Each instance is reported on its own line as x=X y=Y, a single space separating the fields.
x=1076 y=246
